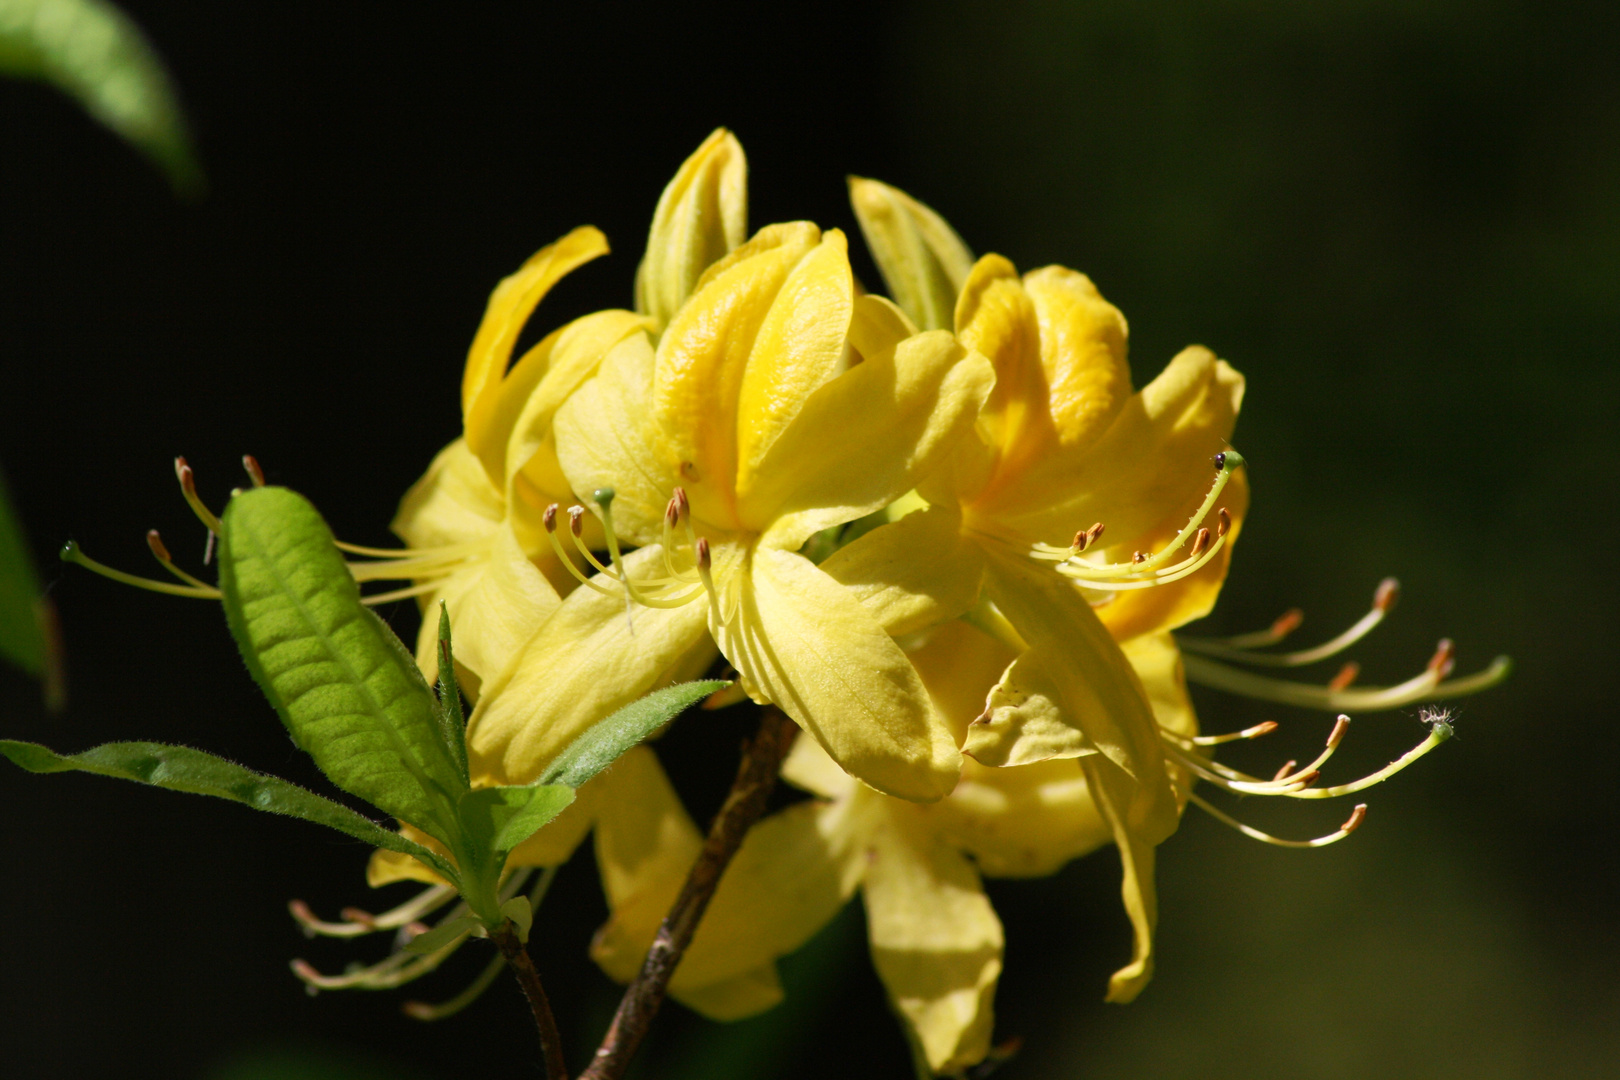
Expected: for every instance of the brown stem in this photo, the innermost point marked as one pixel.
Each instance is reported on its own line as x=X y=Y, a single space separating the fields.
x=756 y=776
x=522 y=965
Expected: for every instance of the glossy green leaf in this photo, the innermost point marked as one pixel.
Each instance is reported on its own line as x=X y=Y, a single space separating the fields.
x=93 y=51
x=498 y=819
x=180 y=768
x=346 y=688
x=602 y=745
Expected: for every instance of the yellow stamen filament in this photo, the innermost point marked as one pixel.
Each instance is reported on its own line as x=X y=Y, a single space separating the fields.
x=446 y=551
x=188 y=487
x=161 y=554
x=1254 y=732
x=1285 y=624
x=1383 y=600
x=72 y=553
x=357 y=923
x=399 y=568
x=402 y=594
x=1431 y=685
x=1356 y=817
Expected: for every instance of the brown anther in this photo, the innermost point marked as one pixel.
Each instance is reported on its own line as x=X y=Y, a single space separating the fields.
x=305 y=970
x=1288 y=767
x=1340 y=728
x=414 y=930
x=1345 y=677
x=155 y=542
x=1306 y=779
x=550 y=518
x=303 y=915
x=576 y=520
x=355 y=915
x=1287 y=623
x=1200 y=543
x=683 y=504
x=703 y=553
x=1445 y=655
x=1079 y=542
x=256 y=474
x=1389 y=591
x=1138 y=557
x=1357 y=816
x=188 y=480
x=672 y=514
x=1225 y=524
x=1264 y=728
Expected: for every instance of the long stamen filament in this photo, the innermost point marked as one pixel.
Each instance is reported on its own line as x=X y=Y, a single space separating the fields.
x=444 y=551
x=1082 y=573
x=1285 y=624
x=73 y=554
x=1383 y=600
x=1356 y=817
x=550 y=519
x=402 y=594
x=161 y=554
x=357 y=923
x=1431 y=685
x=188 y=487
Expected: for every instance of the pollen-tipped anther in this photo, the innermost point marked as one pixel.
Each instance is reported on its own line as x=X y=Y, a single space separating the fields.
x=1444 y=658
x=703 y=558
x=1384 y=597
x=1286 y=623
x=359 y=917
x=255 y=473
x=1357 y=816
x=1347 y=675
x=159 y=551
x=1200 y=543
x=1340 y=728
x=576 y=520
x=682 y=502
x=1287 y=767
x=1223 y=523
x=188 y=487
x=550 y=518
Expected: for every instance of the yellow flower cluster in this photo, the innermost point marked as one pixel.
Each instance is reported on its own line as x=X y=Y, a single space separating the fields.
x=888 y=516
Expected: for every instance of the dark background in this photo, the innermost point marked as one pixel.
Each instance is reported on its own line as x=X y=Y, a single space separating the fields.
x=1401 y=220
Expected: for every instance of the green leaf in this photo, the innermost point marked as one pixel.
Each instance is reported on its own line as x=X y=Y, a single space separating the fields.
x=27 y=619
x=346 y=688
x=446 y=933
x=180 y=768
x=452 y=721
x=602 y=745
x=521 y=912
x=94 y=52
x=498 y=819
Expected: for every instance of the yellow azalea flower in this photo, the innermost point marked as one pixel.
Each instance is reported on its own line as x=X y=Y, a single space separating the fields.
x=775 y=404
x=936 y=941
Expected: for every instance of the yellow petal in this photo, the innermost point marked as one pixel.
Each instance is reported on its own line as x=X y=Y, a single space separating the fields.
x=936 y=941
x=808 y=766
x=923 y=262
x=702 y=358
x=589 y=658
x=1149 y=611
x=645 y=846
x=702 y=215
x=805 y=643
x=1115 y=793
x=795 y=870
x=913 y=573
x=746 y=995
x=497 y=600
x=387 y=867
x=606 y=437
x=541 y=381
x=867 y=437
x=453 y=503
x=1023 y=822
x=1082 y=354
x=1152 y=464
x=996 y=318
x=1028 y=715
x=1099 y=693
x=799 y=348
x=510 y=305
x=877 y=326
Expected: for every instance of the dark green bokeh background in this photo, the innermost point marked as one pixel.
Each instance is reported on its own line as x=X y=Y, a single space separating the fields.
x=1400 y=220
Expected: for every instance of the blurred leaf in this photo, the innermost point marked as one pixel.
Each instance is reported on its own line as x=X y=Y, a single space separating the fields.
x=93 y=51
x=452 y=720
x=446 y=933
x=602 y=745
x=27 y=619
x=344 y=685
x=180 y=768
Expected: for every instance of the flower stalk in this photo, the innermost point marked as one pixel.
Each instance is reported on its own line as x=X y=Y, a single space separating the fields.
x=518 y=959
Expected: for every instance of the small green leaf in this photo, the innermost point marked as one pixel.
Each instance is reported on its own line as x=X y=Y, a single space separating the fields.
x=452 y=721
x=346 y=688
x=180 y=768
x=93 y=51
x=27 y=619
x=498 y=819
x=521 y=912
x=603 y=744
x=446 y=933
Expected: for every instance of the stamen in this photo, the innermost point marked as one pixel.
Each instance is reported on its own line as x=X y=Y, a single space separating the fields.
x=251 y=464
x=161 y=554
x=358 y=923
x=446 y=551
x=1431 y=685
x=1383 y=602
x=71 y=553
x=403 y=594
x=550 y=519
x=1200 y=542
x=1285 y=624
x=1357 y=815
x=1287 y=767
x=188 y=487
x=1347 y=675
x=400 y=568
x=1265 y=728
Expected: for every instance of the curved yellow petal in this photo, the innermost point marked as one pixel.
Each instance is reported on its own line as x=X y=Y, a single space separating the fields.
x=1115 y=794
x=1030 y=714
x=510 y=305
x=1088 y=379
x=912 y=573
x=703 y=357
x=936 y=941
x=453 y=503
x=877 y=326
x=996 y=318
x=866 y=438
x=605 y=437
x=1153 y=463
x=1098 y=692
x=804 y=642
x=702 y=215
x=387 y=867
x=807 y=766
x=590 y=657
x=746 y=995
x=922 y=260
